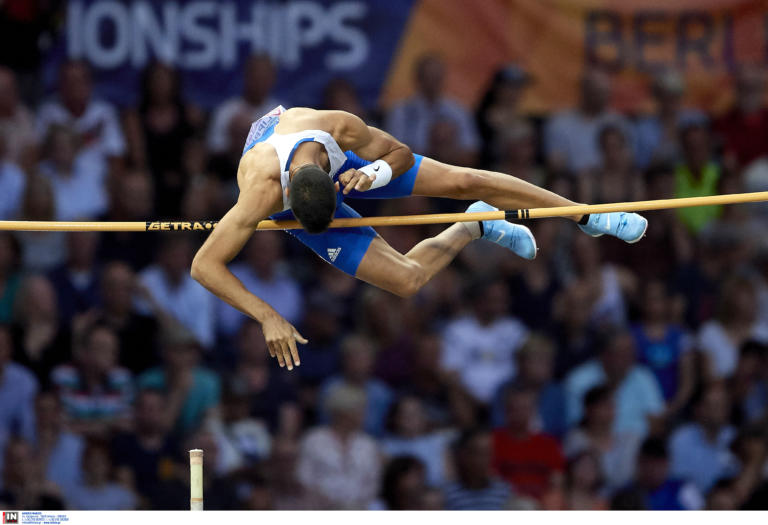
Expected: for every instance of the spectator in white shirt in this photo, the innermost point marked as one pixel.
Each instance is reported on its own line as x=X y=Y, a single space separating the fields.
x=339 y=463
x=571 y=136
x=95 y=121
x=16 y=123
x=259 y=78
x=412 y=121
x=78 y=187
x=263 y=272
x=169 y=283
x=480 y=347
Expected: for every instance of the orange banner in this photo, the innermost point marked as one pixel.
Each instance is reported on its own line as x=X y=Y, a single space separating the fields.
x=554 y=40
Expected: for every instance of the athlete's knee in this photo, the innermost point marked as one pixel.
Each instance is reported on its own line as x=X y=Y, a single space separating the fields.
x=410 y=280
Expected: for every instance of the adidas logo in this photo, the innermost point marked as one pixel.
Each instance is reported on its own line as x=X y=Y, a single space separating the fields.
x=333 y=253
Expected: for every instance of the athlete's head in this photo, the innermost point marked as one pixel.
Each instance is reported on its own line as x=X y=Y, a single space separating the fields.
x=312 y=198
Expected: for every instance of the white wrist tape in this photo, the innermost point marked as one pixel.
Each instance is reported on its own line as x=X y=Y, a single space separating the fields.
x=381 y=170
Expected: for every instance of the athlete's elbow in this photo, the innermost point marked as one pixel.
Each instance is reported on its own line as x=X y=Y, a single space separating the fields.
x=199 y=270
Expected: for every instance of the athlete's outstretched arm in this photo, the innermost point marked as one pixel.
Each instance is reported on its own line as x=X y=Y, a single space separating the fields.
x=209 y=268
x=371 y=144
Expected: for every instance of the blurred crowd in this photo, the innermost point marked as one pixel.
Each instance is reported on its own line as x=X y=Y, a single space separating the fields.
x=598 y=376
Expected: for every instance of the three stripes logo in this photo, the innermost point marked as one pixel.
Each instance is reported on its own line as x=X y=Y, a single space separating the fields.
x=10 y=517
x=333 y=253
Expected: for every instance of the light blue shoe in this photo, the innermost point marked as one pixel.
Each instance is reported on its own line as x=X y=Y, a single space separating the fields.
x=515 y=237
x=629 y=227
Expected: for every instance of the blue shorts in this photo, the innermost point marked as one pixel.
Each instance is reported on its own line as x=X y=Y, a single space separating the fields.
x=344 y=248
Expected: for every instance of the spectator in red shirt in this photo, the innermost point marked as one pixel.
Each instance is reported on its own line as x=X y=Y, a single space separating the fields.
x=531 y=460
x=744 y=130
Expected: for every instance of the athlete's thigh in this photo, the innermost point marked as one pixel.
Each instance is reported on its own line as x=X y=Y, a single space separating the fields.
x=438 y=179
x=384 y=267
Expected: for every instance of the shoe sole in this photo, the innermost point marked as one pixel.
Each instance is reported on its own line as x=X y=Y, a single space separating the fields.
x=642 y=234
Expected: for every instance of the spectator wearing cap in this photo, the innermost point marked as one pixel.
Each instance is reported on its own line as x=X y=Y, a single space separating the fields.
x=570 y=136
x=656 y=135
x=500 y=106
x=358 y=355
x=95 y=121
x=95 y=393
x=480 y=346
x=656 y=489
x=193 y=391
x=338 y=462
x=700 y=449
x=412 y=120
x=639 y=399
x=535 y=369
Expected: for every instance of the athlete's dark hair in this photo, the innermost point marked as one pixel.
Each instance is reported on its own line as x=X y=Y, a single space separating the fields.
x=312 y=198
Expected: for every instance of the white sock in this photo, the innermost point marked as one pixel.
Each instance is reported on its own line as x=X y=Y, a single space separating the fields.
x=473 y=228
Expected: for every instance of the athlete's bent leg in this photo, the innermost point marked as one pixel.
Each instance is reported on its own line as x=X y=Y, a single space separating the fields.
x=404 y=275
x=437 y=179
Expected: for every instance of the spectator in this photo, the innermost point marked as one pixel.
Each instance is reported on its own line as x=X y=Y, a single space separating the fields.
x=616 y=451
x=16 y=124
x=40 y=251
x=736 y=322
x=358 y=355
x=23 y=484
x=174 y=290
x=500 y=106
x=749 y=384
x=157 y=132
x=654 y=485
x=403 y=484
x=700 y=449
x=656 y=135
x=571 y=136
x=531 y=461
x=338 y=463
x=41 y=341
x=98 y=491
x=256 y=100
x=95 y=393
x=59 y=449
x=583 y=484
x=145 y=455
x=136 y=332
x=574 y=335
x=515 y=152
x=480 y=346
x=10 y=276
x=290 y=494
x=77 y=280
x=664 y=347
x=272 y=395
x=697 y=175
x=95 y=121
x=131 y=198
x=535 y=365
x=476 y=487
x=744 y=129
x=639 y=399
x=79 y=191
x=340 y=94
x=322 y=327
x=265 y=273
x=409 y=435
x=193 y=391
x=12 y=182
x=18 y=388
x=412 y=120
x=615 y=178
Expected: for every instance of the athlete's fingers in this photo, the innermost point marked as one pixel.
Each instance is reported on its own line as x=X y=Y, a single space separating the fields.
x=345 y=177
x=287 y=354
x=352 y=183
x=294 y=351
x=271 y=350
x=337 y=187
x=279 y=356
x=365 y=182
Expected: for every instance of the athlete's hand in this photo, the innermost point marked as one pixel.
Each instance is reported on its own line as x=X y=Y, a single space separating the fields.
x=281 y=337
x=353 y=179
